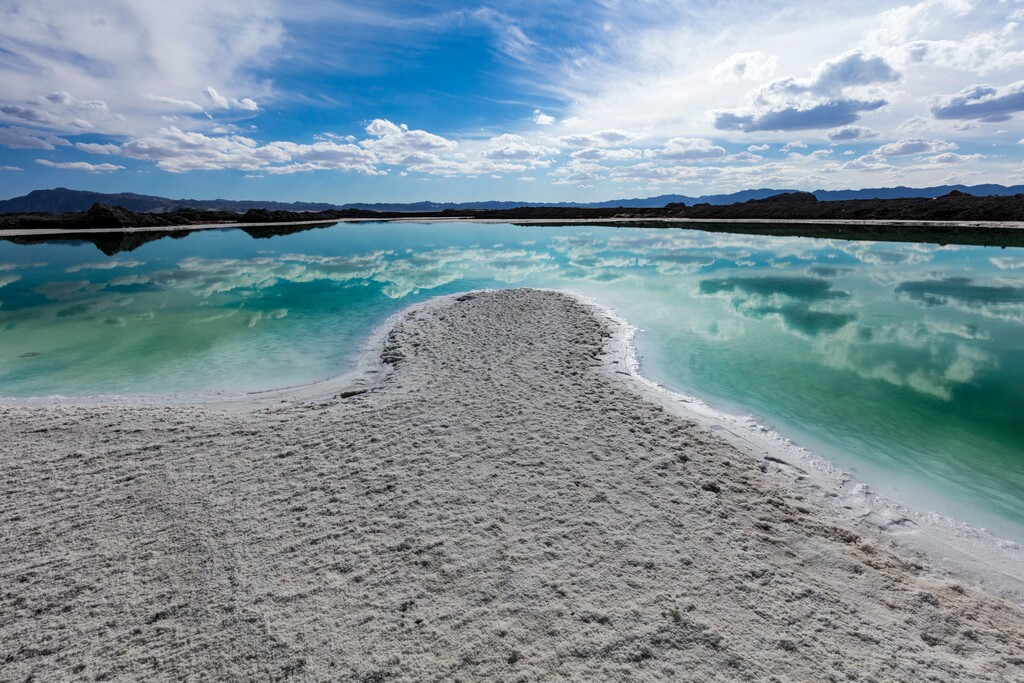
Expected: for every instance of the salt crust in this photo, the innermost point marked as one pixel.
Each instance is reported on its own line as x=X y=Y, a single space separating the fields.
x=494 y=494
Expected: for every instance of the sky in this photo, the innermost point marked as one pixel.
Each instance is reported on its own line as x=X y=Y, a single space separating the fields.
x=407 y=100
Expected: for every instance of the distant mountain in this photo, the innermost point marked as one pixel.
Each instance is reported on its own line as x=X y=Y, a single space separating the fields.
x=927 y=192
x=63 y=200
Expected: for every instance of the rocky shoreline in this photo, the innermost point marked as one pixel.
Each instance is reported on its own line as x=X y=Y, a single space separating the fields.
x=956 y=218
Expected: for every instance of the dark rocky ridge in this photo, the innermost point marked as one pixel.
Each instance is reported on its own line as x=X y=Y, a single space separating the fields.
x=106 y=217
x=951 y=210
x=63 y=200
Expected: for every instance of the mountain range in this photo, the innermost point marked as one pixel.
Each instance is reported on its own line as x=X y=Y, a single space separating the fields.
x=63 y=200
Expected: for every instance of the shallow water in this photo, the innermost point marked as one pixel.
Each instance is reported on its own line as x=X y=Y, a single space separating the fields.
x=903 y=363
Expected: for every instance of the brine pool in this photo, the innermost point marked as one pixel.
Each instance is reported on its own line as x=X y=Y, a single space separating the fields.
x=902 y=363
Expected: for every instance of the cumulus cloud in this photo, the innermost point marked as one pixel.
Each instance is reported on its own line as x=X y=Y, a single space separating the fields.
x=854 y=68
x=981 y=52
x=516 y=148
x=912 y=146
x=393 y=142
x=744 y=157
x=685 y=149
x=177 y=151
x=602 y=154
x=951 y=158
x=1008 y=262
x=96 y=148
x=105 y=265
x=847 y=133
x=749 y=66
x=600 y=138
x=798 y=117
x=60 y=111
x=79 y=166
x=28 y=114
x=867 y=162
x=611 y=83
x=25 y=138
x=578 y=172
x=389 y=144
x=542 y=119
x=651 y=173
x=220 y=102
x=981 y=102
x=818 y=101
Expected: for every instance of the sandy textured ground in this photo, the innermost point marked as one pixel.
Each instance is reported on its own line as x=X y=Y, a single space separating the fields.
x=499 y=508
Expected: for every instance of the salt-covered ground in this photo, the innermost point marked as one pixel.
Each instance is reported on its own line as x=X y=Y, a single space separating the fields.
x=502 y=504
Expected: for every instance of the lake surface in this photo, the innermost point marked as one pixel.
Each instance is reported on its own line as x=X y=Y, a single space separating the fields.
x=902 y=363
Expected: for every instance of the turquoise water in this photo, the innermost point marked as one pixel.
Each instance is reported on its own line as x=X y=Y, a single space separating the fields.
x=903 y=363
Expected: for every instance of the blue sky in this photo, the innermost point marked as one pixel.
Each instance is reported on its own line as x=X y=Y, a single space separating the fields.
x=343 y=101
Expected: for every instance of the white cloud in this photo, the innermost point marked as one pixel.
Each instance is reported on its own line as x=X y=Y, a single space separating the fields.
x=542 y=119
x=220 y=102
x=600 y=138
x=96 y=148
x=577 y=172
x=745 y=66
x=11 y=168
x=826 y=99
x=114 y=67
x=60 y=111
x=79 y=166
x=683 y=149
x=174 y=104
x=28 y=114
x=516 y=148
x=869 y=163
x=144 y=72
x=105 y=265
x=911 y=146
x=177 y=151
x=743 y=157
x=25 y=138
x=392 y=142
x=602 y=154
x=981 y=102
x=951 y=158
x=848 y=133
x=511 y=38
x=389 y=144
x=1007 y=262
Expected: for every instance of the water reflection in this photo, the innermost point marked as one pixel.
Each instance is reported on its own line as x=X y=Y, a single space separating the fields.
x=936 y=292
x=835 y=299
x=791 y=299
x=909 y=354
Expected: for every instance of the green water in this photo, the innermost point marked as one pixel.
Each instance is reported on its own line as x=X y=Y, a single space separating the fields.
x=903 y=363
